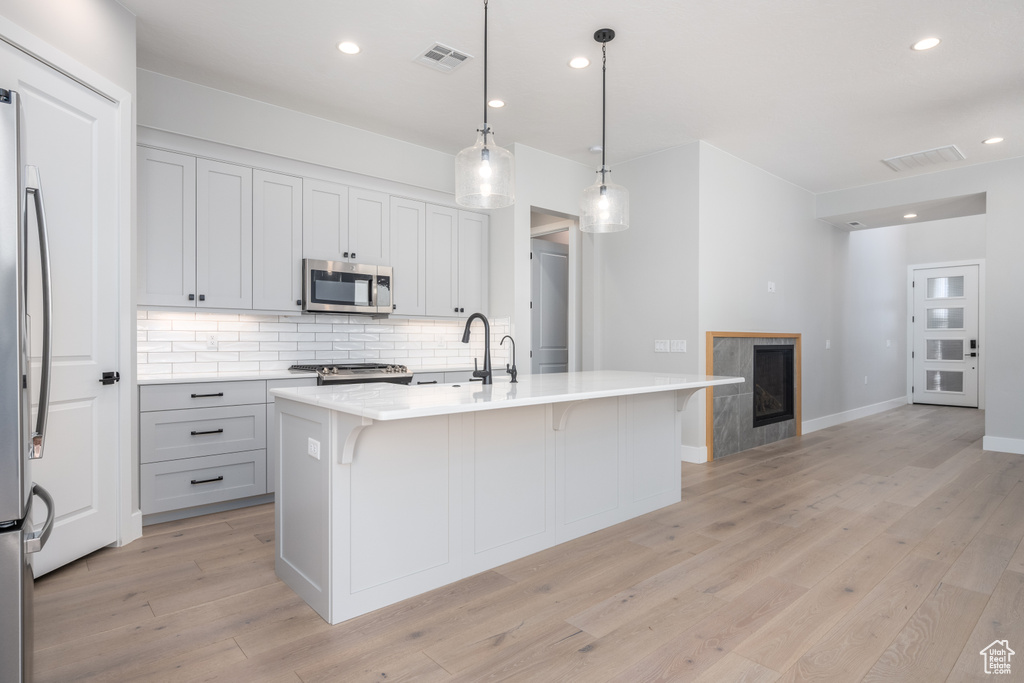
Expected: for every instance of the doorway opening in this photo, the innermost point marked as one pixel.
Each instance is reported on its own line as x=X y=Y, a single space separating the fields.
x=554 y=273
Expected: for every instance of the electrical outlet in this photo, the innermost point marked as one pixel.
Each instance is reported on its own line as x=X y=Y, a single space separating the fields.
x=661 y=345
x=771 y=287
x=828 y=344
x=678 y=346
x=313 y=448
x=211 y=341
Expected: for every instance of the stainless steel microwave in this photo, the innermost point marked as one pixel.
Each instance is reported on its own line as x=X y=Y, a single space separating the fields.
x=340 y=287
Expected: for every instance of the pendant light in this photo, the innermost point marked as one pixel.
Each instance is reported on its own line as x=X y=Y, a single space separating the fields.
x=485 y=173
x=604 y=206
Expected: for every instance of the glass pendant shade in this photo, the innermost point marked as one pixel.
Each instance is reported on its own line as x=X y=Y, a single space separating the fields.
x=485 y=175
x=604 y=207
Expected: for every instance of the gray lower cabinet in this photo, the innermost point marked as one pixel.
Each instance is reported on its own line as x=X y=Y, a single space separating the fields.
x=447 y=377
x=208 y=442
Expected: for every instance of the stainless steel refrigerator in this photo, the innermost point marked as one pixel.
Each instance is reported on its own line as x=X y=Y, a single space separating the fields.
x=21 y=437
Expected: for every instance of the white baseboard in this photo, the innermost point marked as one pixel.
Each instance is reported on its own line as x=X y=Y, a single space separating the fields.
x=695 y=454
x=1003 y=444
x=850 y=415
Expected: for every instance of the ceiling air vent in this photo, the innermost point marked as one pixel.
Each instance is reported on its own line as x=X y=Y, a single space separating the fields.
x=856 y=224
x=442 y=58
x=929 y=157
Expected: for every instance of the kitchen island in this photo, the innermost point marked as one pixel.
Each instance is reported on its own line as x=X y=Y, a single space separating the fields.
x=387 y=491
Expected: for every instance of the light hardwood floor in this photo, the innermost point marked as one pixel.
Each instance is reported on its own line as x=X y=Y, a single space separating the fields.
x=886 y=549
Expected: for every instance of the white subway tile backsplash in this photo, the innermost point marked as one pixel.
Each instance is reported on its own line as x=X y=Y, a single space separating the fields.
x=172 y=343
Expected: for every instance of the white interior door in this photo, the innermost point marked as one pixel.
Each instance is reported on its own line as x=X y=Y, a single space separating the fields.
x=549 y=322
x=946 y=343
x=71 y=136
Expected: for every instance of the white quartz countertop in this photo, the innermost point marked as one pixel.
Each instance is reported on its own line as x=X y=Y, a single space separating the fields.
x=222 y=377
x=397 y=402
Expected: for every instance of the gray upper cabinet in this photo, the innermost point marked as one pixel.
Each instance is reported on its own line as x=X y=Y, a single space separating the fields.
x=276 y=242
x=324 y=220
x=472 y=263
x=369 y=228
x=167 y=228
x=223 y=235
x=345 y=223
x=456 y=262
x=408 y=255
x=442 y=254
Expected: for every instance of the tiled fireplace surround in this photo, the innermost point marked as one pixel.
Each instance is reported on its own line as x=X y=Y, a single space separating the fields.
x=731 y=414
x=176 y=343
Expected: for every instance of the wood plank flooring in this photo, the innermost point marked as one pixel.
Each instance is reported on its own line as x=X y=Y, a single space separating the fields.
x=886 y=549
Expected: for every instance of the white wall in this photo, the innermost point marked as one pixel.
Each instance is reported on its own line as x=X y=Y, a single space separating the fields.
x=646 y=278
x=756 y=228
x=177 y=106
x=951 y=239
x=1004 y=246
x=98 y=33
x=546 y=182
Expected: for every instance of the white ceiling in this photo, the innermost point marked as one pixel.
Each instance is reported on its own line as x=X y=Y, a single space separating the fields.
x=815 y=91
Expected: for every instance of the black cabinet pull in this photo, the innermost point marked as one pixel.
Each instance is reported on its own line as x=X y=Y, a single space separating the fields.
x=345 y=254
x=202 y=297
x=462 y=310
x=221 y=393
x=207 y=481
x=433 y=382
x=211 y=431
x=353 y=254
x=456 y=309
x=191 y=297
x=298 y=302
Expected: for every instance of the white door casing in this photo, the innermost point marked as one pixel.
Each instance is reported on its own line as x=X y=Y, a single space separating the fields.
x=947 y=346
x=549 y=273
x=71 y=134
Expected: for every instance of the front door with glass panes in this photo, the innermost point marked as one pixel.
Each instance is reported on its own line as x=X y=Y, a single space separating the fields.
x=946 y=343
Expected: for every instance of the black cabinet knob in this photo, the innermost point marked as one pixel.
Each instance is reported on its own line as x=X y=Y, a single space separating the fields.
x=191 y=297
x=298 y=302
x=456 y=309
x=345 y=254
x=462 y=310
x=202 y=297
x=353 y=254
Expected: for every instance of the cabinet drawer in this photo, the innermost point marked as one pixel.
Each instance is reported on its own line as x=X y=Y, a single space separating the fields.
x=174 y=434
x=198 y=481
x=428 y=378
x=200 y=395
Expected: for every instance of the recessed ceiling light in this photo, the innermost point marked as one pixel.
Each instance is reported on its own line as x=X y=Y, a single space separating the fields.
x=497 y=104
x=910 y=215
x=993 y=141
x=926 y=44
x=579 y=62
x=348 y=48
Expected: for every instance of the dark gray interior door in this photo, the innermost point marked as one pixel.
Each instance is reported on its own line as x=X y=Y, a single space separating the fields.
x=549 y=294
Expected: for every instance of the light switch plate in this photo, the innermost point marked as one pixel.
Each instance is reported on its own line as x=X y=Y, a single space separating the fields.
x=771 y=287
x=678 y=346
x=661 y=345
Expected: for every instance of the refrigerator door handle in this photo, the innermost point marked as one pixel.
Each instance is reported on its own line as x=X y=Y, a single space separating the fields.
x=34 y=188
x=35 y=541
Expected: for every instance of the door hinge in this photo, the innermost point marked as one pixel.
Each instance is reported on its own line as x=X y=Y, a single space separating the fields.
x=913 y=284
x=531 y=255
x=911 y=354
x=911 y=318
x=911 y=389
x=110 y=378
x=531 y=354
x=531 y=304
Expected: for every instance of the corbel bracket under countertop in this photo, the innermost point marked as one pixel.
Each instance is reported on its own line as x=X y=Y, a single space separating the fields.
x=349 y=449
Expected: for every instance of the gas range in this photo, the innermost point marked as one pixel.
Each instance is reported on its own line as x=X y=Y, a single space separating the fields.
x=358 y=373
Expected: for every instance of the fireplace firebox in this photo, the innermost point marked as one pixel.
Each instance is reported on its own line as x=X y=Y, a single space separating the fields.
x=773 y=384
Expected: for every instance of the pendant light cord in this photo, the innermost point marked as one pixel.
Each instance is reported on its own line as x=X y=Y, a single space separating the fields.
x=604 y=71
x=485 y=131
